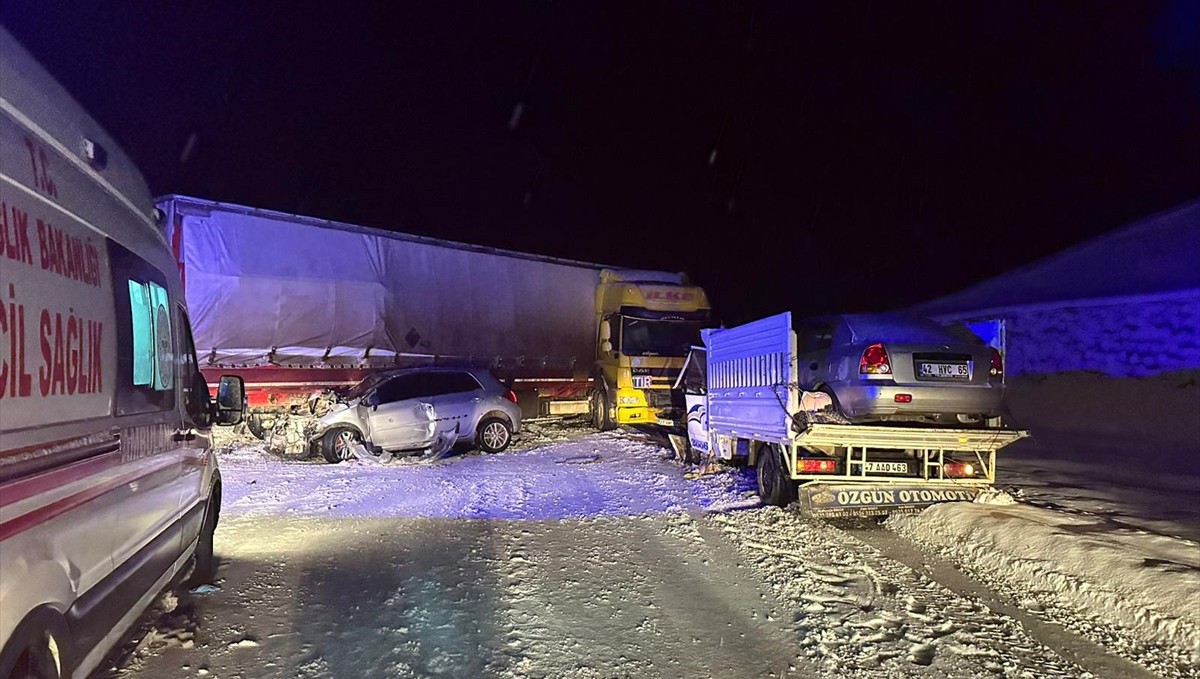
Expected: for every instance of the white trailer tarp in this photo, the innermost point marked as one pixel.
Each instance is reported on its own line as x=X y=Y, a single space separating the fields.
x=268 y=290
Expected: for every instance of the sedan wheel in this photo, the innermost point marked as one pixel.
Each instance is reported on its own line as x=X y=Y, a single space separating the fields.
x=338 y=445
x=494 y=435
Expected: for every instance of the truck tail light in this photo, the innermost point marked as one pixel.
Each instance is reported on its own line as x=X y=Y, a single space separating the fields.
x=958 y=470
x=511 y=395
x=875 y=361
x=809 y=465
x=997 y=369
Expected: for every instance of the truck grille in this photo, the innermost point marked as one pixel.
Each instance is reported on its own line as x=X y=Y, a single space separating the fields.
x=658 y=398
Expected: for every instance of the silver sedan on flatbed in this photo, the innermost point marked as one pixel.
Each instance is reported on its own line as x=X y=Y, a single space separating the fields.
x=897 y=367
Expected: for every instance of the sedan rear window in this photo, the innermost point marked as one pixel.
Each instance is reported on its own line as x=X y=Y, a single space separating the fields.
x=899 y=328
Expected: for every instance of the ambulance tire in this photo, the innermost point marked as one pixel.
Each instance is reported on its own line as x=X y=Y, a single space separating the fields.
x=775 y=486
x=37 y=647
x=204 y=561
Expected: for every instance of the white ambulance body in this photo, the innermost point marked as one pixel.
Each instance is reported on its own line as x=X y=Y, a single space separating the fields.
x=108 y=487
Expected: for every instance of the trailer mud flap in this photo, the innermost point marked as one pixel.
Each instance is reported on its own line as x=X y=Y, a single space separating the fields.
x=871 y=499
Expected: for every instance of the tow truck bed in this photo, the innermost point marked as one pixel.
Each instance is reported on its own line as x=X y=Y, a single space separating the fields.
x=743 y=400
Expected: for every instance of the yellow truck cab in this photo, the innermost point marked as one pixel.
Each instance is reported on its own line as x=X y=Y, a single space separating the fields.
x=646 y=321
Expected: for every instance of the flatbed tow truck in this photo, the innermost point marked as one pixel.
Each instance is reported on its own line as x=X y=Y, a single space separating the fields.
x=743 y=402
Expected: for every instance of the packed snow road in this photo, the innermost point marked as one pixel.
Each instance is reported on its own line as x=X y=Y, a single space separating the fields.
x=574 y=555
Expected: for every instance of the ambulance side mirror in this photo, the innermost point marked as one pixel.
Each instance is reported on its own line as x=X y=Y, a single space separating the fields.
x=231 y=400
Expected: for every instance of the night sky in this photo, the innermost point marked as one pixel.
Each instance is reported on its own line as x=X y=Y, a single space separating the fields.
x=843 y=156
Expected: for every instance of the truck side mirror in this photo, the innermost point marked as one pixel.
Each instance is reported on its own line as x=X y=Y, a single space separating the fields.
x=606 y=336
x=231 y=400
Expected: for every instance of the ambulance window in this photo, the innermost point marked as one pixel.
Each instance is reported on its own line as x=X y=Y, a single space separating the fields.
x=151 y=336
x=193 y=386
x=145 y=343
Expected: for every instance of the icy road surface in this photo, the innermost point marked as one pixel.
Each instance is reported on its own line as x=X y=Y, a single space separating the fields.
x=586 y=556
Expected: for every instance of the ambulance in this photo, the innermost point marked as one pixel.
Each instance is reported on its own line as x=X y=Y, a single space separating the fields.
x=109 y=489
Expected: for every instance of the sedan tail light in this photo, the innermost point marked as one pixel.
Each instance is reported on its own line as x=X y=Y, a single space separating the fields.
x=997 y=363
x=511 y=395
x=875 y=361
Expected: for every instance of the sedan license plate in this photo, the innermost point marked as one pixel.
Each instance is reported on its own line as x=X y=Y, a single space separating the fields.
x=887 y=467
x=641 y=381
x=952 y=371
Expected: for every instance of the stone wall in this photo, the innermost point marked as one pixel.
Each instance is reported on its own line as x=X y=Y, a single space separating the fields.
x=1128 y=337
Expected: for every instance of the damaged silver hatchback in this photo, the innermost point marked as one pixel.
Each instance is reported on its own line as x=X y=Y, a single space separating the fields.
x=418 y=410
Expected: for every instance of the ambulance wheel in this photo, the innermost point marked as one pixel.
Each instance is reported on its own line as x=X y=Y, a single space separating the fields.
x=204 y=561
x=338 y=444
x=775 y=486
x=37 y=648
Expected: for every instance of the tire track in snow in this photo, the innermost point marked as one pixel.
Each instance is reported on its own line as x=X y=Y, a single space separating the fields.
x=864 y=615
x=1096 y=657
x=632 y=596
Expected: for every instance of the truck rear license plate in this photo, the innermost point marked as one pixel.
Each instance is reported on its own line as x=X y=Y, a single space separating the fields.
x=953 y=371
x=887 y=467
x=641 y=381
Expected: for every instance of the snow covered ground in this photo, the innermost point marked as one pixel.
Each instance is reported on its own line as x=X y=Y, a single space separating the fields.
x=585 y=555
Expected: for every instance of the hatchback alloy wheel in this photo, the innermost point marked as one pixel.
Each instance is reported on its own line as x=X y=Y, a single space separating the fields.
x=494 y=435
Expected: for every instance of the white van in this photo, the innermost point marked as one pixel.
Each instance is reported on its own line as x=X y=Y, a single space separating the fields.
x=109 y=491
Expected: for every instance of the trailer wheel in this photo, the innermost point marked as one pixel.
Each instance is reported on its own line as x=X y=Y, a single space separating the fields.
x=337 y=444
x=775 y=486
x=602 y=411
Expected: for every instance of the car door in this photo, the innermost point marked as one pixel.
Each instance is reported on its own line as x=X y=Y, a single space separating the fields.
x=398 y=414
x=457 y=395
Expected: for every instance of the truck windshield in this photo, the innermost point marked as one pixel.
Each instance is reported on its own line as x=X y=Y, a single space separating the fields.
x=642 y=337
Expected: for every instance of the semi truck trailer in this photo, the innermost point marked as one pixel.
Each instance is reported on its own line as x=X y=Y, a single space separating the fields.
x=296 y=305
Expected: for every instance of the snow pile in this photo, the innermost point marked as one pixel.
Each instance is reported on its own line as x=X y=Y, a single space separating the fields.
x=1145 y=586
x=994 y=496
